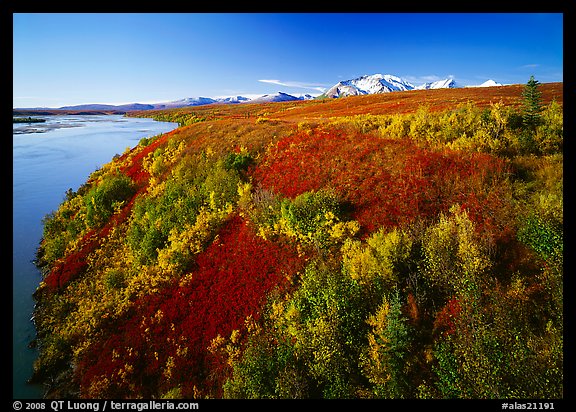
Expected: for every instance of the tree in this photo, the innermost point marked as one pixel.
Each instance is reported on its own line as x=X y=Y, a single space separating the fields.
x=532 y=103
x=385 y=363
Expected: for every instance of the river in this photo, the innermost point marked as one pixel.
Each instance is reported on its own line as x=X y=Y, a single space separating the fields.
x=48 y=159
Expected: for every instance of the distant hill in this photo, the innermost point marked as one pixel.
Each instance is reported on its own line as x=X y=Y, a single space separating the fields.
x=124 y=107
x=186 y=102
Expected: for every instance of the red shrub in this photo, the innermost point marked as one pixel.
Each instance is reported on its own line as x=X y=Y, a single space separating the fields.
x=388 y=182
x=134 y=168
x=73 y=264
x=445 y=321
x=231 y=280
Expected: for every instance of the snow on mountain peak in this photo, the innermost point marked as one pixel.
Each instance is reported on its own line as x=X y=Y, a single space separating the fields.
x=233 y=99
x=487 y=83
x=490 y=83
x=369 y=84
x=275 y=97
x=439 y=84
x=382 y=83
x=385 y=83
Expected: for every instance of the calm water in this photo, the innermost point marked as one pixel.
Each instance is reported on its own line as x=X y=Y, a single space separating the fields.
x=48 y=159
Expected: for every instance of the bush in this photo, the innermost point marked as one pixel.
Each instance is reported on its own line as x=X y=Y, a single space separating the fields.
x=545 y=238
x=397 y=127
x=380 y=262
x=550 y=133
x=105 y=198
x=197 y=184
x=316 y=217
x=307 y=212
x=154 y=218
x=424 y=124
x=115 y=279
x=52 y=249
x=455 y=255
x=238 y=161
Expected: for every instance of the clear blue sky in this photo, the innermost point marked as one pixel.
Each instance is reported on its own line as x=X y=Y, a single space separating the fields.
x=66 y=59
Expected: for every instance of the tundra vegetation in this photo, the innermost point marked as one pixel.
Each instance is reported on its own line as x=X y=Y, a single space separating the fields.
x=407 y=245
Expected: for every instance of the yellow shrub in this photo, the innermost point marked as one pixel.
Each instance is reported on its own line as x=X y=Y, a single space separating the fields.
x=380 y=256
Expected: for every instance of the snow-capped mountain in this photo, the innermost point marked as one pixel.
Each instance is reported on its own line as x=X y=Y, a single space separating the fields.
x=369 y=84
x=188 y=101
x=276 y=97
x=487 y=83
x=378 y=83
x=306 y=97
x=197 y=101
x=233 y=99
x=439 y=84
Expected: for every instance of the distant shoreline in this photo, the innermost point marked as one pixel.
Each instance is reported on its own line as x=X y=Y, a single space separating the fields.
x=27 y=120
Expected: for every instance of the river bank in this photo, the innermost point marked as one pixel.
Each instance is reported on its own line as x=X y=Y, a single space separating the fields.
x=48 y=159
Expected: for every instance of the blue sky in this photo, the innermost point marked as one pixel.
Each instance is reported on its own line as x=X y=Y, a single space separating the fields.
x=66 y=59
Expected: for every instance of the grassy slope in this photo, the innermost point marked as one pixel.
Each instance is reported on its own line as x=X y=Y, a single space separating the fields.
x=127 y=324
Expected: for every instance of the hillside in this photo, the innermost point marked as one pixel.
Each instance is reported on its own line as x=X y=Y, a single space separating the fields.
x=376 y=104
x=399 y=245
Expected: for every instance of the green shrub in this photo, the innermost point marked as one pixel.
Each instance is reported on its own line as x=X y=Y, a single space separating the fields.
x=544 y=237
x=455 y=257
x=424 y=124
x=145 y=141
x=60 y=228
x=154 y=218
x=238 y=161
x=103 y=199
x=115 y=279
x=307 y=212
x=52 y=249
x=397 y=127
x=195 y=184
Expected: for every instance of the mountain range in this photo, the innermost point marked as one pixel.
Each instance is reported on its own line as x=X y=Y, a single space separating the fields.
x=367 y=84
x=386 y=83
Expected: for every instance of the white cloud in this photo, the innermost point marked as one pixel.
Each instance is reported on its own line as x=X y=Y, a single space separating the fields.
x=300 y=85
x=418 y=80
x=430 y=78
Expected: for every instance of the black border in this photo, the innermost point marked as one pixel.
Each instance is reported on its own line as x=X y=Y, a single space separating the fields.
x=33 y=6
